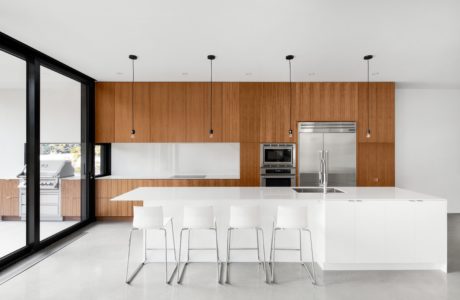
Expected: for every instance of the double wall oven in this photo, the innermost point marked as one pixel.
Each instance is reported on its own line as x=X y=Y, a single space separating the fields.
x=278 y=166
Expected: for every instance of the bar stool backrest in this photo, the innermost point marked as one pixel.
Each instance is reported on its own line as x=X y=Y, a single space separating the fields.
x=198 y=217
x=294 y=217
x=244 y=217
x=147 y=217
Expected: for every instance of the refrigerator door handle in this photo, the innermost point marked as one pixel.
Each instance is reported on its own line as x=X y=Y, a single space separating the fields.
x=320 y=173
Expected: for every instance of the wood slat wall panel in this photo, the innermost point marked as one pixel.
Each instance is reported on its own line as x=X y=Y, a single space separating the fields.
x=249 y=164
x=385 y=98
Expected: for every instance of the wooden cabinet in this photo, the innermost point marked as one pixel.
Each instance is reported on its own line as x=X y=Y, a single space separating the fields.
x=376 y=164
x=251 y=95
x=230 y=112
x=333 y=101
x=275 y=113
x=249 y=164
x=71 y=198
x=125 y=110
x=379 y=111
x=104 y=112
x=159 y=112
x=9 y=198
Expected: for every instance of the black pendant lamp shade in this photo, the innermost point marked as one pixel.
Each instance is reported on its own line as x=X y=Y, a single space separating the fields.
x=289 y=58
x=367 y=58
x=132 y=57
x=211 y=131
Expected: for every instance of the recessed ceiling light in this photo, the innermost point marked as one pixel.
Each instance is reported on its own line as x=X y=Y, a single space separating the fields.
x=119 y=73
x=184 y=73
x=375 y=73
x=248 y=74
x=311 y=74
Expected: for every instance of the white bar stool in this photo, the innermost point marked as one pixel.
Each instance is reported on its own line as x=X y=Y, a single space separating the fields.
x=245 y=217
x=197 y=218
x=151 y=218
x=294 y=218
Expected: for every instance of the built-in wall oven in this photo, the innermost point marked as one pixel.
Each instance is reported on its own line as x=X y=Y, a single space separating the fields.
x=277 y=166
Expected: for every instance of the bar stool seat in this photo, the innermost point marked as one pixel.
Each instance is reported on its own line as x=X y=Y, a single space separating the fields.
x=197 y=218
x=294 y=218
x=245 y=217
x=150 y=218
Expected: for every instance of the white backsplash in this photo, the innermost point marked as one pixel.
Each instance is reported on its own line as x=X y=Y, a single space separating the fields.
x=163 y=160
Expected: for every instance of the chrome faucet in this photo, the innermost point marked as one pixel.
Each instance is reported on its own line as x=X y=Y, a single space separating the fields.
x=323 y=170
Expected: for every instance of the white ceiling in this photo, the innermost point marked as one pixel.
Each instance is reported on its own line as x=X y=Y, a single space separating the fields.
x=415 y=42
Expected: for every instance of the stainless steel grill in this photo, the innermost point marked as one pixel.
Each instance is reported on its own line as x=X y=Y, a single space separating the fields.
x=51 y=172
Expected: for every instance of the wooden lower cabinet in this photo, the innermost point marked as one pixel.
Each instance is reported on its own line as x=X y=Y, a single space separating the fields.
x=9 y=198
x=71 y=198
x=106 y=189
x=376 y=164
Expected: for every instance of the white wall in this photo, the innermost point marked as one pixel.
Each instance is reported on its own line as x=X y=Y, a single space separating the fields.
x=12 y=131
x=162 y=160
x=428 y=142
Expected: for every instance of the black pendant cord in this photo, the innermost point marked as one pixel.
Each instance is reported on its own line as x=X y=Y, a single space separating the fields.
x=289 y=58
x=368 y=99
x=210 y=106
x=290 y=98
x=133 y=131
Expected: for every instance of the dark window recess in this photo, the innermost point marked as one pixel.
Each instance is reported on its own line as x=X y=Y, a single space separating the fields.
x=102 y=158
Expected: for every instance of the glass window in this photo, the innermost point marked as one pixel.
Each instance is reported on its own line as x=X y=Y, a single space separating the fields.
x=12 y=160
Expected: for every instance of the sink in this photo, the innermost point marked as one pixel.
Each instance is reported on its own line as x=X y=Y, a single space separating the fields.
x=317 y=190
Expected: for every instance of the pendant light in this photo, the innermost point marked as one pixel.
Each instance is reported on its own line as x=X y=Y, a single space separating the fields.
x=367 y=58
x=289 y=58
x=132 y=57
x=211 y=131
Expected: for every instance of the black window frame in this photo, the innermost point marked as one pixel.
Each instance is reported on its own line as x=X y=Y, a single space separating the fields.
x=106 y=160
x=34 y=59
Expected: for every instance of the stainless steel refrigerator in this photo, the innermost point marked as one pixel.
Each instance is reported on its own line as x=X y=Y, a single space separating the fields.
x=333 y=141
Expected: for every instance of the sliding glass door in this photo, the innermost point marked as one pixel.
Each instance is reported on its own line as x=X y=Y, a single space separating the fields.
x=13 y=138
x=47 y=152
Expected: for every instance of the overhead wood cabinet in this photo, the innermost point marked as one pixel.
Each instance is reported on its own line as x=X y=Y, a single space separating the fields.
x=275 y=113
x=104 y=112
x=333 y=101
x=380 y=113
x=251 y=95
x=124 y=112
x=231 y=112
x=376 y=164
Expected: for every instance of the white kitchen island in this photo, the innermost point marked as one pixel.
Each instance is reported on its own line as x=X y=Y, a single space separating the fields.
x=364 y=228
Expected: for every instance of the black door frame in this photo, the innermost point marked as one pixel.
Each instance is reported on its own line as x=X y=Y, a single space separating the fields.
x=34 y=59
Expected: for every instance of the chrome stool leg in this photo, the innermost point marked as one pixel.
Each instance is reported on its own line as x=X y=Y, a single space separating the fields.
x=273 y=254
x=217 y=255
x=264 y=263
x=229 y=239
x=311 y=273
x=179 y=273
x=129 y=279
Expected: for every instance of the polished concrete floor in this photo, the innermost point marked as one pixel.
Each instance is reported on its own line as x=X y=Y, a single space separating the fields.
x=93 y=267
x=13 y=233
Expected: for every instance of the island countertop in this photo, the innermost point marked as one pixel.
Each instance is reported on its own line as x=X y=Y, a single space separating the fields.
x=269 y=193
